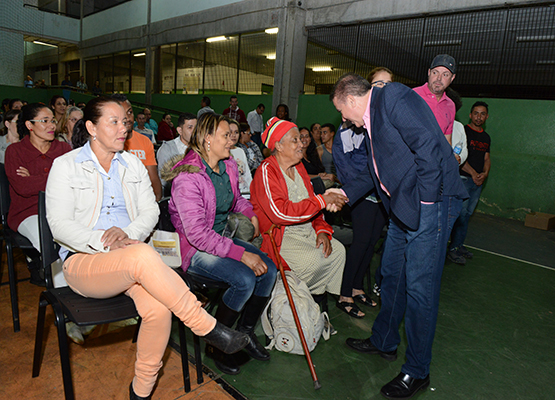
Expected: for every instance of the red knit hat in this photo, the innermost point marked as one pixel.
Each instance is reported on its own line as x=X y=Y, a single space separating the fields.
x=275 y=129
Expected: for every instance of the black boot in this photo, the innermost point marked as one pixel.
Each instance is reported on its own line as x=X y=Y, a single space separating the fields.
x=226 y=339
x=133 y=396
x=37 y=275
x=247 y=323
x=224 y=362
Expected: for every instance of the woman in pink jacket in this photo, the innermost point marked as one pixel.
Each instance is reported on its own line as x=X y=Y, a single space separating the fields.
x=205 y=191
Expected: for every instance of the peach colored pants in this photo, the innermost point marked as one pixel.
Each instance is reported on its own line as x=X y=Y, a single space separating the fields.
x=139 y=272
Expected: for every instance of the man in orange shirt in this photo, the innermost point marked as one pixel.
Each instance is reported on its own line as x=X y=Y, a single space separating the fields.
x=140 y=146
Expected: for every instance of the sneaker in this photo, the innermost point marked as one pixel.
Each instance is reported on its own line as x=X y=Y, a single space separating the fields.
x=454 y=256
x=74 y=333
x=463 y=251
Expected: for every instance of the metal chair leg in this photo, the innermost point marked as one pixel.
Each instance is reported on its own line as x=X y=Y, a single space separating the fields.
x=37 y=358
x=198 y=359
x=184 y=358
x=13 y=287
x=64 y=352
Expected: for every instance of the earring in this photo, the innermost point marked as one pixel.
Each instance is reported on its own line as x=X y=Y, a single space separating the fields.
x=208 y=149
x=94 y=137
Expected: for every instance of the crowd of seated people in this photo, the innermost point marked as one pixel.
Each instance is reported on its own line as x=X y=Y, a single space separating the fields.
x=215 y=174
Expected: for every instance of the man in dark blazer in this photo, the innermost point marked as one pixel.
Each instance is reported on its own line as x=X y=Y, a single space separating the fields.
x=413 y=169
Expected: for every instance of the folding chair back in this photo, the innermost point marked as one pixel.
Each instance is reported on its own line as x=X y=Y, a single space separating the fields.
x=12 y=239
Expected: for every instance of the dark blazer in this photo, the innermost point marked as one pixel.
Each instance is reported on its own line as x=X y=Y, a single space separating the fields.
x=415 y=163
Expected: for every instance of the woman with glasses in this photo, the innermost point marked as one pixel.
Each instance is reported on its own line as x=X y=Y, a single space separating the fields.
x=71 y=116
x=368 y=215
x=251 y=149
x=9 y=134
x=28 y=163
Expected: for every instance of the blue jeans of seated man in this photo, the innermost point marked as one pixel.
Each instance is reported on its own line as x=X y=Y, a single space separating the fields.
x=468 y=206
x=412 y=264
x=241 y=279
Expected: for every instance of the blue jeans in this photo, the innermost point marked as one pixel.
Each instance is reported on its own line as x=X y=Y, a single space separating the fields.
x=242 y=281
x=468 y=206
x=411 y=269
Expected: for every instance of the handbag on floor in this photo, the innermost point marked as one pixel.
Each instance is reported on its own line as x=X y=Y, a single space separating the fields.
x=279 y=325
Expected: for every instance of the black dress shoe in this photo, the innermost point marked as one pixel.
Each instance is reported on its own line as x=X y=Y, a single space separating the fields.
x=224 y=362
x=404 y=387
x=366 y=346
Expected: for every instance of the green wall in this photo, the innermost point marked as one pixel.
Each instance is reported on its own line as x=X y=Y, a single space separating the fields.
x=37 y=95
x=522 y=176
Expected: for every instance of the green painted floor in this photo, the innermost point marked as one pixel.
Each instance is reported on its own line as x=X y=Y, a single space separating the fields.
x=494 y=339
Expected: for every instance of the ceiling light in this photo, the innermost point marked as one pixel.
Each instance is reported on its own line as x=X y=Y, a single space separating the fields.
x=271 y=56
x=475 y=63
x=271 y=31
x=139 y=54
x=538 y=38
x=545 y=62
x=216 y=39
x=322 y=69
x=44 y=44
x=456 y=42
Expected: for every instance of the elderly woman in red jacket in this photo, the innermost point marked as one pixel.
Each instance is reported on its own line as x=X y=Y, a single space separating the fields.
x=282 y=194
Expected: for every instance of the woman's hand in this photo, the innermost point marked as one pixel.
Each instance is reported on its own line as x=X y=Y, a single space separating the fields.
x=119 y=244
x=22 y=171
x=329 y=177
x=322 y=239
x=112 y=235
x=254 y=221
x=254 y=262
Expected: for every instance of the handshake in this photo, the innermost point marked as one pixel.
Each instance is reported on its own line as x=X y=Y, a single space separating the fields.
x=335 y=199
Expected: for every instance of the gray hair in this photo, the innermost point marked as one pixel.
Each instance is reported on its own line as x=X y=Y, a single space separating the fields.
x=349 y=84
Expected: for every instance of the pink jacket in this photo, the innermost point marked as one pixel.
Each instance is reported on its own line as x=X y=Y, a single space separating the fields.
x=193 y=208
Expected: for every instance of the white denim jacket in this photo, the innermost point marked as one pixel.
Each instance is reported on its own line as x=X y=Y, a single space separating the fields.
x=74 y=193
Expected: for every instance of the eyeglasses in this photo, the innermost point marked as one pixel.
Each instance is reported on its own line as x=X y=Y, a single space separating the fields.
x=45 y=121
x=379 y=84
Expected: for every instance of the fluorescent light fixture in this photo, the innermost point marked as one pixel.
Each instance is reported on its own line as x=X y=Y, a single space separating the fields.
x=475 y=63
x=44 y=44
x=271 y=31
x=322 y=69
x=216 y=39
x=139 y=54
x=538 y=38
x=271 y=56
x=545 y=62
x=430 y=43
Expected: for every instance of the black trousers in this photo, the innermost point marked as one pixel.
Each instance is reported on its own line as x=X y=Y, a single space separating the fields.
x=369 y=218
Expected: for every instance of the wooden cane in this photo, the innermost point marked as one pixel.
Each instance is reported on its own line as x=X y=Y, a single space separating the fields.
x=317 y=384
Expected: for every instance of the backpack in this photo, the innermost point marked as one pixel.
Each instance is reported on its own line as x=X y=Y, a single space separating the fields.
x=279 y=325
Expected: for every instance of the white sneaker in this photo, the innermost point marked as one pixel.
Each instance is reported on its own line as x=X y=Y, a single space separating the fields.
x=74 y=333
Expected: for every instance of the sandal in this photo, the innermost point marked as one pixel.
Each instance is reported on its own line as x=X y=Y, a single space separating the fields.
x=362 y=299
x=354 y=310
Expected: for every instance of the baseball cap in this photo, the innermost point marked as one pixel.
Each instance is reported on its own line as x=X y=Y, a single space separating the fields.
x=444 y=60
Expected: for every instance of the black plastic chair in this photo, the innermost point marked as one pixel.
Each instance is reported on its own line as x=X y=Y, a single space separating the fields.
x=12 y=240
x=69 y=306
x=199 y=285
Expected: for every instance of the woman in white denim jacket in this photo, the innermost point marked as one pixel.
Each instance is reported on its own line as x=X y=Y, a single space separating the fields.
x=100 y=207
